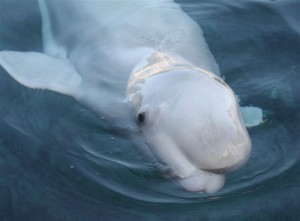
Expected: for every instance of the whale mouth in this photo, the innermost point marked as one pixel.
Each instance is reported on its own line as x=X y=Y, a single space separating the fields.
x=222 y=170
x=218 y=171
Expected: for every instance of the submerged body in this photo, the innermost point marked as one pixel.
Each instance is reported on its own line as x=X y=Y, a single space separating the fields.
x=144 y=66
x=119 y=34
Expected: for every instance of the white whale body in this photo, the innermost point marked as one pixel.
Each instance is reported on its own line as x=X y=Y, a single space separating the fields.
x=145 y=67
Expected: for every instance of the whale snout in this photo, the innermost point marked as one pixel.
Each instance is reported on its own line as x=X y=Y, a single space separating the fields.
x=218 y=151
x=235 y=154
x=231 y=159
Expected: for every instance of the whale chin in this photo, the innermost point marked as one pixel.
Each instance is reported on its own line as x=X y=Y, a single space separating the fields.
x=203 y=182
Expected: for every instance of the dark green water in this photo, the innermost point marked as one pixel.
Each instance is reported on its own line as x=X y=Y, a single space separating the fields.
x=58 y=161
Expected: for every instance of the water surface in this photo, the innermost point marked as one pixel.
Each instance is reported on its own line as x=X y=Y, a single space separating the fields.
x=59 y=161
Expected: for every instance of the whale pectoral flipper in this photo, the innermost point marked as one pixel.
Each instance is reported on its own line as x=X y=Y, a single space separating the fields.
x=41 y=71
x=253 y=116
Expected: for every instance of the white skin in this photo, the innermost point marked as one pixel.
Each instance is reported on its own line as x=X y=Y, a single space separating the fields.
x=162 y=74
x=191 y=120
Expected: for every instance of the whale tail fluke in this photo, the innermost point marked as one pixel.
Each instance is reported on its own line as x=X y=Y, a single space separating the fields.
x=40 y=71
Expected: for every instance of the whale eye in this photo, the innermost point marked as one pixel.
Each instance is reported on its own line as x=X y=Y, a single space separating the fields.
x=141 y=117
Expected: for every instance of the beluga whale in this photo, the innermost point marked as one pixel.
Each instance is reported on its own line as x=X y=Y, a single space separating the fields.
x=146 y=68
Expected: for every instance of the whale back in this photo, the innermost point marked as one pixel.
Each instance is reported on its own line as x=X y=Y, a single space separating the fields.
x=118 y=28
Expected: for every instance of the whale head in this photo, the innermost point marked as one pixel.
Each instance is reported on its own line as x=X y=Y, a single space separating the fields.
x=191 y=121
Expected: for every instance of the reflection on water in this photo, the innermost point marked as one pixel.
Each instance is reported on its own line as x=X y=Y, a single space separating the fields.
x=60 y=162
